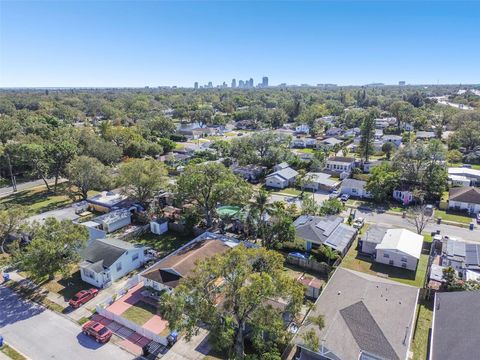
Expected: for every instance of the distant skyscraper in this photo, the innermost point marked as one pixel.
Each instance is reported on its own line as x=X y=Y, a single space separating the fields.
x=401 y=83
x=265 y=81
x=210 y=85
x=195 y=86
x=234 y=83
x=250 y=83
x=241 y=84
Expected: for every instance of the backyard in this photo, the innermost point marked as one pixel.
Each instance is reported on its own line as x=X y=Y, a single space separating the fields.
x=360 y=263
x=140 y=312
x=165 y=243
x=422 y=329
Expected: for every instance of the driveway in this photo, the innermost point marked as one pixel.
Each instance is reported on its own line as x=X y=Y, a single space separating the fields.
x=41 y=334
x=66 y=213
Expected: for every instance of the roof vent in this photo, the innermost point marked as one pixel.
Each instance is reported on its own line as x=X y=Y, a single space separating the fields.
x=339 y=293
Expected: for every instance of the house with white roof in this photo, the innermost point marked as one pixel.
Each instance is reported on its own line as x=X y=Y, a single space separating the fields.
x=401 y=248
x=394 y=139
x=355 y=188
x=302 y=129
x=340 y=164
x=330 y=142
x=281 y=178
x=321 y=181
x=460 y=176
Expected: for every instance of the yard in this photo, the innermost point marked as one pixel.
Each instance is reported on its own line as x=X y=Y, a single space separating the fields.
x=453 y=216
x=67 y=287
x=140 y=312
x=474 y=166
x=288 y=191
x=360 y=263
x=165 y=243
x=422 y=330
x=39 y=200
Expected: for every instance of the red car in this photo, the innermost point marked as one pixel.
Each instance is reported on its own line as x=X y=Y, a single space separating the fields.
x=82 y=297
x=98 y=331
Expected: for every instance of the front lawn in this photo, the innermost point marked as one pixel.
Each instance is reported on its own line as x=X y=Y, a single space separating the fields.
x=354 y=261
x=39 y=200
x=422 y=329
x=288 y=191
x=67 y=287
x=140 y=312
x=474 y=166
x=449 y=216
x=165 y=243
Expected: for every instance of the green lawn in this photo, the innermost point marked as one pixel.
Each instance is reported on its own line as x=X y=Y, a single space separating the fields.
x=308 y=151
x=363 y=264
x=476 y=167
x=12 y=353
x=289 y=191
x=140 y=312
x=422 y=327
x=449 y=216
x=164 y=243
x=39 y=200
x=67 y=287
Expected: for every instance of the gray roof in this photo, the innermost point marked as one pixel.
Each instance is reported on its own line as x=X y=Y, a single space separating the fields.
x=392 y=137
x=465 y=194
x=365 y=317
x=425 y=134
x=456 y=326
x=106 y=251
x=374 y=234
x=354 y=184
x=328 y=230
x=286 y=173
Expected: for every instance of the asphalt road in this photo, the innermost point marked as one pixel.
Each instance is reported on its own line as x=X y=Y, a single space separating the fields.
x=41 y=334
x=5 y=191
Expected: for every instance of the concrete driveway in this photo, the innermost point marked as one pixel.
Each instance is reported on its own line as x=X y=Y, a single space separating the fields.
x=41 y=334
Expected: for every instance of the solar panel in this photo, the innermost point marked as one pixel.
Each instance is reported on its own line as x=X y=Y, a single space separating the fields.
x=328 y=225
x=472 y=254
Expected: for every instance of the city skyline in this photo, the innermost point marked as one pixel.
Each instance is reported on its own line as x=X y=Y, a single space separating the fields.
x=138 y=44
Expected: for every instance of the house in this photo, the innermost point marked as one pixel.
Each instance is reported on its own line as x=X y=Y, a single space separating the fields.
x=325 y=230
x=245 y=125
x=461 y=176
x=352 y=132
x=424 y=135
x=159 y=226
x=334 y=131
x=372 y=237
x=107 y=201
x=114 y=220
x=298 y=143
x=281 y=179
x=461 y=256
x=251 y=173
x=329 y=119
x=401 y=248
x=302 y=129
x=310 y=143
x=167 y=273
x=406 y=126
x=354 y=188
x=385 y=122
x=378 y=134
x=404 y=195
x=106 y=260
x=330 y=142
x=340 y=164
x=366 y=318
x=394 y=139
x=281 y=166
x=455 y=326
x=321 y=181
x=369 y=165
x=465 y=199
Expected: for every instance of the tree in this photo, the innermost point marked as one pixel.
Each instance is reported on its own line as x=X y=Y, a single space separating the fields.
x=11 y=221
x=278 y=118
x=250 y=277
x=60 y=150
x=403 y=111
x=303 y=179
x=417 y=217
x=367 y=135
x=382 y=181
x=86 y=173
x=331 y=207
x=142 y=178
x=309 y=206
x=310 y=340
x=54 y=248
x=278 y=229
x=209 y=185
x=454 y=156
x=388 y=148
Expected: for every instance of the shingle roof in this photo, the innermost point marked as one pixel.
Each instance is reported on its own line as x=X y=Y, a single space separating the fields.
x=341 y=159
x=106 y=250
x=465 y=194
x=286 y=173
x=456 y=325
x=375 y=234
x=354 y=184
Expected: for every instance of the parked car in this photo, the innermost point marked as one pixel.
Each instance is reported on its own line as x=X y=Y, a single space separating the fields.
x=83 y=297
x=478 y=218
x=334 y=194
x=298 y=255
x=358 y=223
x=345 y=197
x=99 y=332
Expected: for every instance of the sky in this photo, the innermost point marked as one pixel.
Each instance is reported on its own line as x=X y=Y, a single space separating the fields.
x=165 y=43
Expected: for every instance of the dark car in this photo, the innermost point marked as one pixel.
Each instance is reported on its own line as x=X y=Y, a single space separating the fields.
x=83 y=297
x=98 y=331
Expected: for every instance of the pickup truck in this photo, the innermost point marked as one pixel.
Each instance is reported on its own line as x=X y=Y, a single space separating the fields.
x=99 y=332
x=83 y=297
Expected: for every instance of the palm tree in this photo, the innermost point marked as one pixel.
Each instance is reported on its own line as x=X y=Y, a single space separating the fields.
x=329 y=253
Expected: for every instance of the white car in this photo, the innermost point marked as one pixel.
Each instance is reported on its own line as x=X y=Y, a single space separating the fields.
x=334 y=194
x=358 y=223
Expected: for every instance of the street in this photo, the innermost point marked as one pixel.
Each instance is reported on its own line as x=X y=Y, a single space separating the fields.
x=7 y=190
x=41 y=334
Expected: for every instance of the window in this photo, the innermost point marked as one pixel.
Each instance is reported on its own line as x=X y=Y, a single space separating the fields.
x=135 y=257
x=404 y=266
x=386 y=255
x=119 y=266
x=88 y=273
x=390 y=262
x=404 y=259
x=354 y=191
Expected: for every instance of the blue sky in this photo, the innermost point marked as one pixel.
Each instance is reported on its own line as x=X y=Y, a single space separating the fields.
x=122 y=43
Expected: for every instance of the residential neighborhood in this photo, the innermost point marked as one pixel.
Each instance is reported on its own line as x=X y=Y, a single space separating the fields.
x=239 y=180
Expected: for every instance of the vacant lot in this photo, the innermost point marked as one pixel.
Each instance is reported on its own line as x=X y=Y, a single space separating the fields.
x=357 y=262
x=140 y=313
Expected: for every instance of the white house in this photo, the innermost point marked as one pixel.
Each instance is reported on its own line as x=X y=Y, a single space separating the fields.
x=352 y=132
x=330 y=142
x=302 y=129
x=114 y=220
x=461 y=176
x=340 y=164
x=334 y=131
x=321 y=181
x=281 y=179
x=394 y=139
x=106 y=260
x=354 y=188
x=406 y=126
x=464 y=199
x=405 y=196
x=401 y=248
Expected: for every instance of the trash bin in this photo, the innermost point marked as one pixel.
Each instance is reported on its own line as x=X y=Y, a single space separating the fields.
x=439 y=220
x=6 y=277
x=472 y=225
x=1 y=341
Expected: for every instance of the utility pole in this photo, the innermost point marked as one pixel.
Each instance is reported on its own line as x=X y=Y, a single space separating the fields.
x=12 y=177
